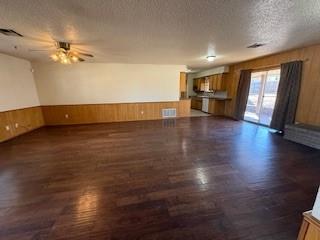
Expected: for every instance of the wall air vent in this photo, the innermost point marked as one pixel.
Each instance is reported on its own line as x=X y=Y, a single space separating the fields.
x=10 y=32
x=169 y=113
x=256 y=45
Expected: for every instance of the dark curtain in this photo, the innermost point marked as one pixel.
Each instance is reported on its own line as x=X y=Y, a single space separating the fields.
x=242 y=94
x=287 y=96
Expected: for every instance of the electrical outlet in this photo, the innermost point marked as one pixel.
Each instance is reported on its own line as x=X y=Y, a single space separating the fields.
x=66 y=115
x=16 y=125
x=8 y=128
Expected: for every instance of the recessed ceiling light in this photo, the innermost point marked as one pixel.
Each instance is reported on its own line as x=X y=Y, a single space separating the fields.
x=256 y=45
x=210 y=58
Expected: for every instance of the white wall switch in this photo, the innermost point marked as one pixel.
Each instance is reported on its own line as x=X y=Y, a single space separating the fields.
x=16 y=125
x=66 y=116
x=8 y=128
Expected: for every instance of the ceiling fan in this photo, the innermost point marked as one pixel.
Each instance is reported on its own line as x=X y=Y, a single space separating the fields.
x=65 y=55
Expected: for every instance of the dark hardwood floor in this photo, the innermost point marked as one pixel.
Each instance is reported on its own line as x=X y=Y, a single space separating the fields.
x=191 y=178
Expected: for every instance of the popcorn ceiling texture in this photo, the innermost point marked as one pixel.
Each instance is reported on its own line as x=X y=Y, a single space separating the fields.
x=161 y=31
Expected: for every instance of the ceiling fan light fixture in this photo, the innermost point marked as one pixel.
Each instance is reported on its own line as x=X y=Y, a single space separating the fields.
x=62 y=55
x=211 y=58
x=65 y=55
x=64 y=58
x=74 y=58
x=65 y=61
x=55 y=57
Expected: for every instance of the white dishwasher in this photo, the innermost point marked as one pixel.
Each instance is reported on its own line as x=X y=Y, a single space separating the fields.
x=205 y=104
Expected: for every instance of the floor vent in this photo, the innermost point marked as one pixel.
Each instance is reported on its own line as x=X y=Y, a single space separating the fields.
x=169 y=113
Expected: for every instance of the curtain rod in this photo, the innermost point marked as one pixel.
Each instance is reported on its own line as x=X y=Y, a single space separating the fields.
x=272 y=66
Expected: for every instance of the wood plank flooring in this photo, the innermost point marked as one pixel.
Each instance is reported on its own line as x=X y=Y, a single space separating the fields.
x=190 y=178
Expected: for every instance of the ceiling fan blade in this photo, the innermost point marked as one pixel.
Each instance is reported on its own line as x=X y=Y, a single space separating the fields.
x=85 y=54
x=43 y=48
x=81 y=51
x=39 y=50
x=48 y=40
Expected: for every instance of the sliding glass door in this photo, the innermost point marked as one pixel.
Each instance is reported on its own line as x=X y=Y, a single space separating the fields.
x=262 y=96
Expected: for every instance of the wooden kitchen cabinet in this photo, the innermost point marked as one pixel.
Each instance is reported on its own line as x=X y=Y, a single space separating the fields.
x=197 y=84
x=196 y=103
x=183 y=85
x=183 y=82
x=216 y=82
x=216 y=107
x=211 y=82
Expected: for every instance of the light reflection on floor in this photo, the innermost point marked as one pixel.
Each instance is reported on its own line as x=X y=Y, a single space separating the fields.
x=87 y=206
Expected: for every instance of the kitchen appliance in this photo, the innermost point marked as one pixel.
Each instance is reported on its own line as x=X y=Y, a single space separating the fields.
x=205 y=104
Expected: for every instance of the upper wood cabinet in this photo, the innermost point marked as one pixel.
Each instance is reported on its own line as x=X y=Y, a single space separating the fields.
x=212 y=81
x=197 y=84
x=216 y=82
x=183 y=82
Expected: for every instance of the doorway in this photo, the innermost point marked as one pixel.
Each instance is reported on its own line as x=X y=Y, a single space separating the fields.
x=262 y=96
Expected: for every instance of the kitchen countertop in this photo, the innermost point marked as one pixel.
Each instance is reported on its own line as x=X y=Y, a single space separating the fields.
x=215 y=98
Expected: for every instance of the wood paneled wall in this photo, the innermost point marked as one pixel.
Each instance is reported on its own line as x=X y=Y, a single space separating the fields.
x=19 y=121
x=24 y=120
x=98 y=113
x=308 y=110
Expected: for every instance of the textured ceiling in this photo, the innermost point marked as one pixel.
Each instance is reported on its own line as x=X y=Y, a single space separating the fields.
x=161 y=31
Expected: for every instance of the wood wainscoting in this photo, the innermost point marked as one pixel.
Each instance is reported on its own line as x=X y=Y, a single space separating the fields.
x=118 y=112
x=16 y=122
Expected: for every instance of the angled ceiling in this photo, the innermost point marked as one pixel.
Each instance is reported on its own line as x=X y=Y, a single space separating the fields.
x=161 y=31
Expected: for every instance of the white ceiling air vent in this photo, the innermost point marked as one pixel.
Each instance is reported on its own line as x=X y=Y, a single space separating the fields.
x=169 y=112
x=10 y=32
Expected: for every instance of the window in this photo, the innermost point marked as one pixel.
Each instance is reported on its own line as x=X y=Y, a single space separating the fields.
x=262 y=96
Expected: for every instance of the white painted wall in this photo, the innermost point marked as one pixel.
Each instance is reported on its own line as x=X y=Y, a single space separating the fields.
x=17 y=87
x=90 y=83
